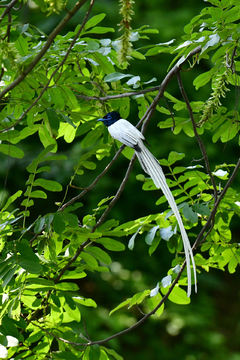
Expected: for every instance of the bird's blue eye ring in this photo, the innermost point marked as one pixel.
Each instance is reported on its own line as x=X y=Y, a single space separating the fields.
x=109 y=117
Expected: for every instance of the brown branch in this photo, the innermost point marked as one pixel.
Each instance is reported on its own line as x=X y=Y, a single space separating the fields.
x=72 y=260
x=215 y=207
x=118 y=96
x=174 y=71
x=161 y=88
x=44 y=49
x=8 y=8
x=200 y=142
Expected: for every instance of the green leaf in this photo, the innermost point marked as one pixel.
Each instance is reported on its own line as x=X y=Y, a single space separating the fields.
x=138 y=298
x=38 y=194
x=68 y=120
x=46 y=138
x=89 y=260
x=233 y=263
x=111 y=244
x=89 y=165
x=203 y=78
x=69 y=97
x=39 y=225
x=91 y=137
x=178 y=296
x=27 y=203
x=73 y=312
x=132 y=239
x=11 y=199
x=35 y=336
x=53 y=118
x=121 y=305
x=201 y=209
x=174 y=156
x=153 y=302
x=31 y=266
x=84 y=301
x=116 y=76
x=42 y=169
x=65 y=355
x=189 y=214
x=48 y=184
x=99 y=30
x=12 y=151
x=22 y=45
x=137 y=55
x=9 y=135
x=112 y=352
x=40 y=281
x=94 y=21
x=8 y=276
x=56 y=97
x=63 y=286
x=99 y=254
x=72 y=219
x=58 y=223
x=154 y=245
x=32 y=167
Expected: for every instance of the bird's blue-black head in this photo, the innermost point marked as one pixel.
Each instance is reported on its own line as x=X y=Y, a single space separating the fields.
x=110 y=118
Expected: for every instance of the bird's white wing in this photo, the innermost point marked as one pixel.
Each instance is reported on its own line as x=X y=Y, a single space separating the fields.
x=125 y=132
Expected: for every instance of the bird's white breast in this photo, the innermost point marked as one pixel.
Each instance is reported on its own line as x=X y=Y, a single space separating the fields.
x=125 y=132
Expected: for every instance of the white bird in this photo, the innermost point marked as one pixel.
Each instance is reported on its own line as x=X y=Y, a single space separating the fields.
x=129 y=135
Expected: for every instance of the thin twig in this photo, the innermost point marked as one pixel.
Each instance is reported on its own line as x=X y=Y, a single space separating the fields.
x=216 y=205
x=118 y=96
x=200 y=142
x=70 y=202
x=118 y=194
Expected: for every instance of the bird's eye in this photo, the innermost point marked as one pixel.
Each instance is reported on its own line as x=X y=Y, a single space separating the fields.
x=109 y=117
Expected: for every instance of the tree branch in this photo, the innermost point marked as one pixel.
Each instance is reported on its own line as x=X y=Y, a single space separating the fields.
x=8 y=8
x=217 y=203
x=200 y=142
x=44 y=49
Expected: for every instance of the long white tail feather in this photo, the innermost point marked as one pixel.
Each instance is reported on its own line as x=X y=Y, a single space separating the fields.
x=125 y=132
x=152 y=167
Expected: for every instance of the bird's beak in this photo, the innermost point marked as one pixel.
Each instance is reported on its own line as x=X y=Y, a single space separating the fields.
x=100 y=119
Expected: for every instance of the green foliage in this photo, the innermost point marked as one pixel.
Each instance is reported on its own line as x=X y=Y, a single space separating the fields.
x=53 y=89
